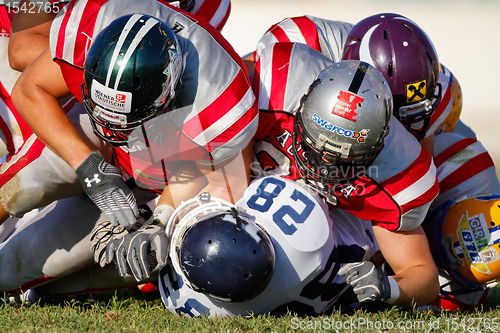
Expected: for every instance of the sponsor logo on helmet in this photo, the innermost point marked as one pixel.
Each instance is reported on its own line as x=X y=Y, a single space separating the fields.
x=111 y=99
x=472 y=238
x=358 y=136
x=113 y=118
x=120 y=98
x=416 y=91
x=347 y=104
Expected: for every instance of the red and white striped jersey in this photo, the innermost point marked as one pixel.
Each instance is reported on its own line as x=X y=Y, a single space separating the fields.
x=215 y=11
x=464 y=168
x=223 y=115
x=401 y=183
x=13 y=129
x=325 y=36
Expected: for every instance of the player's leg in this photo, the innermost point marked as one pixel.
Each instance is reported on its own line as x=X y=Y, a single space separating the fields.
x=89 y=280
x=54 y=243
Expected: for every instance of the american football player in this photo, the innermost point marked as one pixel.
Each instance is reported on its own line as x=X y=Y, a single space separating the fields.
x=320 y=124
x=29 y=38
x=461 y=224
x=277 y=249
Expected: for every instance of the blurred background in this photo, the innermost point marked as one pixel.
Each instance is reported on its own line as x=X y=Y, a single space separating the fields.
x=466 y=34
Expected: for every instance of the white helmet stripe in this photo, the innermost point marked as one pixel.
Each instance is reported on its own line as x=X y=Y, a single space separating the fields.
x=364 y=48
x=150 y=23
x=132 y=20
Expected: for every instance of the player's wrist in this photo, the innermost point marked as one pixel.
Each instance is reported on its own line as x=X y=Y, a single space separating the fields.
x=393 y=290
x=162 y=214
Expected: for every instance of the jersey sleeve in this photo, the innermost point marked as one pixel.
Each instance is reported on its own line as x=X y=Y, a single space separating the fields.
x=282 y=76
x=70 y=36
x=325 y=36
x=215 y=11
x=464 y=168
x=223 y=114
x=406 y=172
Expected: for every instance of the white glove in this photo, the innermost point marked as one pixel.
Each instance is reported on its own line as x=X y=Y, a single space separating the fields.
x=369 y=283
x=105 y=186
x=102 y=234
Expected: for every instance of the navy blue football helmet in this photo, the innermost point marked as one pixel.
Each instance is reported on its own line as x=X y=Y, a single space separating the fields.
x=219 y=251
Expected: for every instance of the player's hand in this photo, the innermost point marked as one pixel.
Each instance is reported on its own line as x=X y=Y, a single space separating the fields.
x=102 y=234
x=140 y=252
x=105 y=186
x=369 y=283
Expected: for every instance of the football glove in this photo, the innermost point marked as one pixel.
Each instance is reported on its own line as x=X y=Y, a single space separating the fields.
x=140 y=252
x=103 y=233
x=369 y=283
x=104 y=185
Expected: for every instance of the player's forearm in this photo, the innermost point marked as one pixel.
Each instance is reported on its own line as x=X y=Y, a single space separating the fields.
x=229 y=179
x=56 y=131
x=40 y=108
x=409 y=256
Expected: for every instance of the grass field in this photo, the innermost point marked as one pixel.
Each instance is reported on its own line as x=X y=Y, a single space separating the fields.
x=118 y=312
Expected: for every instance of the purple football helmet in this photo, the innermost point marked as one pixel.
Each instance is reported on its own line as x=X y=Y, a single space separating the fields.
x=405 y=55
x=186 y=5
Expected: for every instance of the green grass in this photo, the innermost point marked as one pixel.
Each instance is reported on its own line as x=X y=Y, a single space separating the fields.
x=115 y=313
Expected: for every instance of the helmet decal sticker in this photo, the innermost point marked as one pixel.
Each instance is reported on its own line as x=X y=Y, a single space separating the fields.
x=471 y=235
x=111 y=99
x=347 y=104
x=112 y=117
x=416 y=91
x=360 y=136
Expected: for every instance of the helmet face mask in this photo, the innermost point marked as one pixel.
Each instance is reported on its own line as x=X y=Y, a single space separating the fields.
x=186 y=5
x=340 y=126
x=219 y=250
x=131 y=72
x=406 y=57
x=324 y=169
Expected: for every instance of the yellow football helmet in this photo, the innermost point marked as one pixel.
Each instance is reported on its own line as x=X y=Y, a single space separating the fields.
x=467 y=240
x=451 y=120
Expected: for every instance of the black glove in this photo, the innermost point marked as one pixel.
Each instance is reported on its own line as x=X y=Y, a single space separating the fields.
x=140 y=252
x=105 y=186
x=369 y=283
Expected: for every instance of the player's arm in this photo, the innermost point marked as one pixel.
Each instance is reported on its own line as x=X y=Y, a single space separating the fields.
x=409 y=256
x=29 y=35
x=35 y=96
x=228 y=180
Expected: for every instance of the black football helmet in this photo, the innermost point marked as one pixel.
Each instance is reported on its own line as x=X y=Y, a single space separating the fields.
x=131 y=72
x=218 y=250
